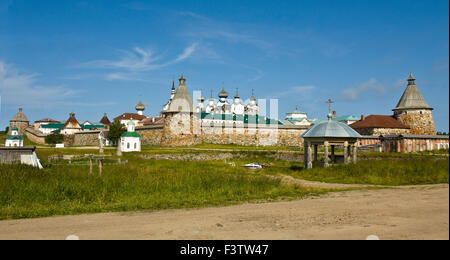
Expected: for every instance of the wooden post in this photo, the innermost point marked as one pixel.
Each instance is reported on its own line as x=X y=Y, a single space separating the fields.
x=345 y=152
x=333 y=159
x=325 y=154
x=315 y=153
x=100 y=167
x=90 y=165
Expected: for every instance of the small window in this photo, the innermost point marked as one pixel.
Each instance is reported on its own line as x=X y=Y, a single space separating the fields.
x=135 y=145
x=418 y=148
x=128 y=145
x=409 y=148
x=424 y=147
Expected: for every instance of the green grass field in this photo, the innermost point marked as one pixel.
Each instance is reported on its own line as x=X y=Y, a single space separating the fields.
x=378 y=172
x=148 y=184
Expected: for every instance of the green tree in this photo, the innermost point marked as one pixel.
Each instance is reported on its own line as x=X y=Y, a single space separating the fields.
x=54 y=138
x=116 y=130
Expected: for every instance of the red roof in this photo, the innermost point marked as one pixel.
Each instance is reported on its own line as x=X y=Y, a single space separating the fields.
x=47 y=120
x=105 y=120
x=72 y=121
x=128 y=116
x=379 y=121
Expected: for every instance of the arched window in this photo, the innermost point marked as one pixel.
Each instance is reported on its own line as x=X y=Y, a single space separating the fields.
x=135 y=145
x=128 y=145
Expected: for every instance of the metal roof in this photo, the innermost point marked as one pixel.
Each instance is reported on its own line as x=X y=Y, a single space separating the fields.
x=130 y=134
x=14 y=137
x=411 y=98
x=330 y=128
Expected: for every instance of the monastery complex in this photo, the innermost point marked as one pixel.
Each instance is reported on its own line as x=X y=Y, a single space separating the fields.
x=410 y=127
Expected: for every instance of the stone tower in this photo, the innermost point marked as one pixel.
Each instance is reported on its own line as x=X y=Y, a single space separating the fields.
x=413 y=111
x=20 y=121
x=179 y=119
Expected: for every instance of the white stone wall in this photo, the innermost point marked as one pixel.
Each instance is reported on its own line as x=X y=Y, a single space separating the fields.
x=14 y=143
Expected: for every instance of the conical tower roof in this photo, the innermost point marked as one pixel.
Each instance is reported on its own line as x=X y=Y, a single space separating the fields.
x=182 y=101
x=411 y=98
x=20 y=116
x=105 y=120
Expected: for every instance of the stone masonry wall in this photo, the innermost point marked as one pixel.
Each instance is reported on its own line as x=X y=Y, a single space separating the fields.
x=381 y=131
x=88 y=138
x=180 y=133
x=35 y=136
x=150 y=135
x=420 y=121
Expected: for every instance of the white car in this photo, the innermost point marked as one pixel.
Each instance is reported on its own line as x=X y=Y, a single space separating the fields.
x=254 y=165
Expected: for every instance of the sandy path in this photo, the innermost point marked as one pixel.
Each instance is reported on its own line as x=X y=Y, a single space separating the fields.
x=421 y=212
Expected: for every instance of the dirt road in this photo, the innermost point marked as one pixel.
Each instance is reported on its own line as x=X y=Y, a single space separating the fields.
x=421 y=212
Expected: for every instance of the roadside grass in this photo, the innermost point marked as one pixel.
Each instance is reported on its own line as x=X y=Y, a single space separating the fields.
x=377 y=172
x=27 y=192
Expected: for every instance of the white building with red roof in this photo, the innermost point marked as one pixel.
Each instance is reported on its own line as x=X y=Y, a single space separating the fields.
x=137 y=118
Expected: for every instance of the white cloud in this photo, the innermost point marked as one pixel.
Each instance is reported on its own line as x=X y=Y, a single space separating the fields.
x=139 y=60
x=22 y=89
x=370 y=86
x=186 y=53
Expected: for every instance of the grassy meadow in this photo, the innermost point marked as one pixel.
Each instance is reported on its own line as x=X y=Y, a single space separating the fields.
x=148 y=184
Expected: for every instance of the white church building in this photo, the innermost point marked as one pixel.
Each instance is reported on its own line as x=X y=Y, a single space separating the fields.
x=130 y=140
x=14 y=140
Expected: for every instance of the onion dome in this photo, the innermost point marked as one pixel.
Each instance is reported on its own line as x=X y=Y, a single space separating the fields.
x=237 y=94
x=223 y=94
x=252 y=98
x=140 y=106
x=131 y=122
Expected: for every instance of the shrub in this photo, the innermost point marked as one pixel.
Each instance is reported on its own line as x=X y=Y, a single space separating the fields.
x=54 y=138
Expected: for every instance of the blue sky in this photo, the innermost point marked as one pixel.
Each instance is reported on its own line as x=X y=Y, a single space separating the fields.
x=92 y=57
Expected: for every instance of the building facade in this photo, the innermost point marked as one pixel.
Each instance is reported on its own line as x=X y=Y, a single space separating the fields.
x=130 y=140
x=14 y=140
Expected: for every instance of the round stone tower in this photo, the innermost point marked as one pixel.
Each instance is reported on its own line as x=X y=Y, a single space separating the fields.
x=413 y=111
x=179 y=119
x=20 y=121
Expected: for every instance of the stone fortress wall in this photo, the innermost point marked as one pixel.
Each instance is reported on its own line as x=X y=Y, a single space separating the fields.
x=420 y=121
x=158 y=135
x=35 y=136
